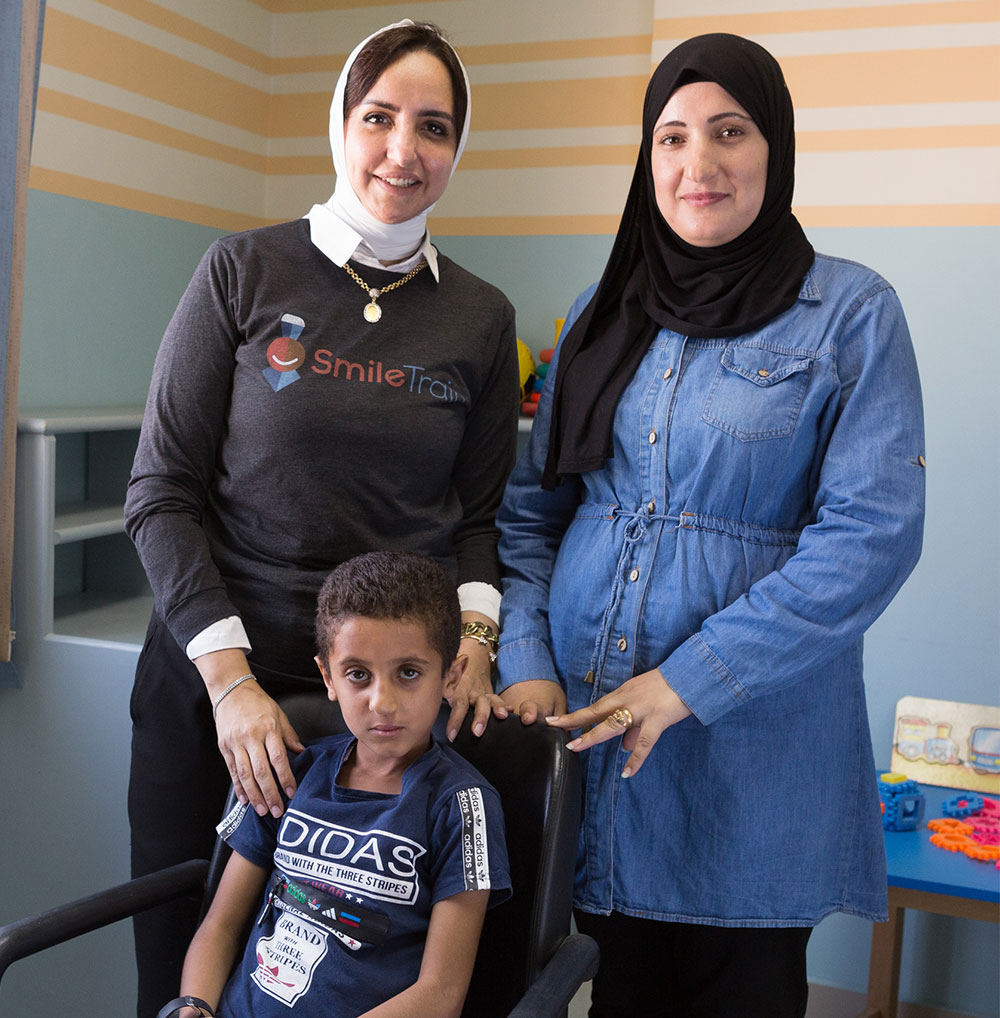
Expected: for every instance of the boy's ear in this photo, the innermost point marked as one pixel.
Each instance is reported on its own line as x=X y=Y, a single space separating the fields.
x=321 y=664
x=454 y=674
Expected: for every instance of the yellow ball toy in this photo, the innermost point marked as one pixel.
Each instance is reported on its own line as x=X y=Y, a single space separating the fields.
x=526 y=368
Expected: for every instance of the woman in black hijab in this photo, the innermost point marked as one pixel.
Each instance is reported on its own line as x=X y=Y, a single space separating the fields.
x=723 y=489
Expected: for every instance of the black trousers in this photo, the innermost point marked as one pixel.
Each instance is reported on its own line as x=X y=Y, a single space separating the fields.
x=652 y=969
x=177 y=789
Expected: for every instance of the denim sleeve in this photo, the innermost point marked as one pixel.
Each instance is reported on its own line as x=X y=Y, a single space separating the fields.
x=864 y=539
x=532 y=522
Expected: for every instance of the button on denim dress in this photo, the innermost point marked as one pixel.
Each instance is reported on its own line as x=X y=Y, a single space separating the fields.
x=763 y=505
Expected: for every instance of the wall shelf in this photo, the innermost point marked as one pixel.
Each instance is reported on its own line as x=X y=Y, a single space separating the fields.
x=77 y=575
x=82 y=521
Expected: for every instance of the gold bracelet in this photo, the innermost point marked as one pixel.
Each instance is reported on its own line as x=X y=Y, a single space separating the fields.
x=484 y=634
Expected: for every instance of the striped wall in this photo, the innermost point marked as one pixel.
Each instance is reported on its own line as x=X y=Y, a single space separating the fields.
x=215 y=111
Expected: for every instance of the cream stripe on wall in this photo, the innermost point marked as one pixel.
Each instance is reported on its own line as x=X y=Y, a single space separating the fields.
x=216 y=113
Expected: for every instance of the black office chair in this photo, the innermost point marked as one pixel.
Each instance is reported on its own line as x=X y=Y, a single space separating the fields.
x=529 y=965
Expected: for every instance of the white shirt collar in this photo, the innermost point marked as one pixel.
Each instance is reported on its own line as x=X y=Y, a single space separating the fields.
x=339 y=242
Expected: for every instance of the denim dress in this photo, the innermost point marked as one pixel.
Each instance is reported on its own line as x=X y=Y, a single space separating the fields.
x=763 y=504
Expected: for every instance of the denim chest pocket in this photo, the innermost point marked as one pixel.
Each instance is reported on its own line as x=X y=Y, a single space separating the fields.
x=757 y=393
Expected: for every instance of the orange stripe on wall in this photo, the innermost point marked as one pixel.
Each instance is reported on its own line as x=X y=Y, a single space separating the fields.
x=497 y=53
x=962 y=74
x=86 y=112
x=899 y=215
x=304 y=6
x=830 y=19
x=586 y=102
x=185 y=28
x=539 y=158
x=305 y=115
x=73 y=44
x=582 y=102
x=557 y=49
x=876 y=139
x=73 y=186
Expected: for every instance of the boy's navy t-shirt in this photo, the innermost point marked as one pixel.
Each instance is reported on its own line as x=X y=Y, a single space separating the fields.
x=384 y=859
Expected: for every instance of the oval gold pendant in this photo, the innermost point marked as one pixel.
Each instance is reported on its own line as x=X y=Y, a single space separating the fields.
x=372 y=312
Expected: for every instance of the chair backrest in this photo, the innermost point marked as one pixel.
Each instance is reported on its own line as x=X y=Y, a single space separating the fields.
x=539 y=786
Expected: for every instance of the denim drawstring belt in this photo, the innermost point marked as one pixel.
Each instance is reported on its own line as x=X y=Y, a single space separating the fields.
x=635 y=530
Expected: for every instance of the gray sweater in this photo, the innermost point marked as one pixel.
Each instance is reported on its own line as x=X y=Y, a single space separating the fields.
x=273 y=450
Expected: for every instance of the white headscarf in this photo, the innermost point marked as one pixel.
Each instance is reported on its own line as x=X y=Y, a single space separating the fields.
x=388 y=241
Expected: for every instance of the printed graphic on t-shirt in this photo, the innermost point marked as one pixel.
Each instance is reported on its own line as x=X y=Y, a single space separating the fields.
x=376 y=863
x=475 y=846
x=287 y=959
x=285 y=354
x=231 y=820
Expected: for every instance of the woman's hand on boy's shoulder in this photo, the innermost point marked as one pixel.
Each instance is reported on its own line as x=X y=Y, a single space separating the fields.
x=255 y=737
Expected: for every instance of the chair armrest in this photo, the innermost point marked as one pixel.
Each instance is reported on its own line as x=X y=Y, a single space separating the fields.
x=574 y=962
x=64 y=922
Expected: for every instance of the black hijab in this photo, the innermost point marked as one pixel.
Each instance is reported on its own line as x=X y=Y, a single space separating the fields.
x=654 y=278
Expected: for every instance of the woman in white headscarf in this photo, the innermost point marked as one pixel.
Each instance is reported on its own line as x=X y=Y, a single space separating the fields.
x=326 y=387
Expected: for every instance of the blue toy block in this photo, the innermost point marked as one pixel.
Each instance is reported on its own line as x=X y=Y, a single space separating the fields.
x=902 y=804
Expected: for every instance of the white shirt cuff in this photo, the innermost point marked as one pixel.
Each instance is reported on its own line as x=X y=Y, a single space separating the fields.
x=225 y=634
x=480 y=597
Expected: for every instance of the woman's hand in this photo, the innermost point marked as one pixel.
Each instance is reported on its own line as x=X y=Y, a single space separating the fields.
x=253 y=733
x=652 y=704
x=475 y=690
x=534 y=699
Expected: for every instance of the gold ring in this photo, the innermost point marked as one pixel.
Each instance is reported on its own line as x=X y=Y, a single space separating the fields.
x=623 y=717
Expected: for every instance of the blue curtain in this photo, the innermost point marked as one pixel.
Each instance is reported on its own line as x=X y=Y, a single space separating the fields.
x=14 y=108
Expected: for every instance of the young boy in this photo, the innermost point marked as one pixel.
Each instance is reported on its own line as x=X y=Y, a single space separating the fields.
x=369 y=892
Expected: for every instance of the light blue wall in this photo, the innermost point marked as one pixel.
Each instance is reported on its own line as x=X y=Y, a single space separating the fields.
x=101 y=284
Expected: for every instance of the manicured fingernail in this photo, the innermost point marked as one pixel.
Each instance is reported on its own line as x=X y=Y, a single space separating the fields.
x=478 y=728
x=551 y=718
x=451 y=735
x=501 y=712
x=573 y=744
x=627 y=773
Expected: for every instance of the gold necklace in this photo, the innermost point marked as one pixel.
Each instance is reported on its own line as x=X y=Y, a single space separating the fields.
x=372 y=311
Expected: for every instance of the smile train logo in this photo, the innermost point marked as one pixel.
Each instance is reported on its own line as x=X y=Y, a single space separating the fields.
x=285 y=354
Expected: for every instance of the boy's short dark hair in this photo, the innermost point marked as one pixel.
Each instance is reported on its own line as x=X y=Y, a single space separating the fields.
x=390 y=585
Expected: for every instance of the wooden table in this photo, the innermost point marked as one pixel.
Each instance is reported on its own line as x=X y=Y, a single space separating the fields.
x=931 y=879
